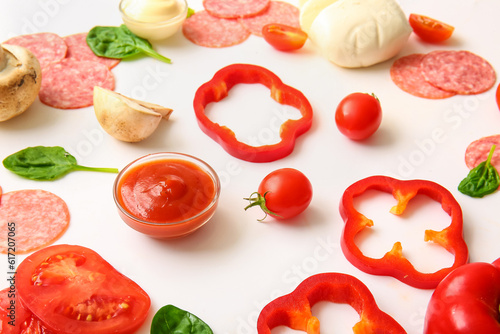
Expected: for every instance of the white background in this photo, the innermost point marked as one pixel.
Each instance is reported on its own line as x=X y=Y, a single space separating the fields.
x=228 y=270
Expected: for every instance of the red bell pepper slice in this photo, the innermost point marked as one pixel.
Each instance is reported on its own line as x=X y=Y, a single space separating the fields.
x=218 y=87
x=393 y=263
x=294 y=310
x=466 y=302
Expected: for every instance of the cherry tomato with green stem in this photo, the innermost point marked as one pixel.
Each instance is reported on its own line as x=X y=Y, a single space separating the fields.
x=282 y=194
x=283 y=37
x=358 y=115
x=429 y=29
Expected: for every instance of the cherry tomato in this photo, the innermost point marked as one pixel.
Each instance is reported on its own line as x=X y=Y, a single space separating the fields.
x=283 y=194
x=71 y=289
x=283 y=37
x=358 y=115
x=498 y=96
x=430 y=30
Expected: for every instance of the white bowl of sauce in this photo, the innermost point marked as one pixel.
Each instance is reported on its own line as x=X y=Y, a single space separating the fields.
x=153 y=19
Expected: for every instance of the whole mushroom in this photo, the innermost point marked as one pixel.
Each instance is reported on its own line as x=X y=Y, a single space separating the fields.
x=20 y=80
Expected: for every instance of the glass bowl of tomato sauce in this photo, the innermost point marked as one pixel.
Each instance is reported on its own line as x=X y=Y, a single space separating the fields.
x=166 y=195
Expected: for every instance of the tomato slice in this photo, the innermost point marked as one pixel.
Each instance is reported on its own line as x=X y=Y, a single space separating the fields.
x=12 y=313
x=72 y=289
x=283 y=37
x=429 y=29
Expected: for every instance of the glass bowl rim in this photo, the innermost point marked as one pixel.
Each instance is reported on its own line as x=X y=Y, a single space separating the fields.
x=170 y=156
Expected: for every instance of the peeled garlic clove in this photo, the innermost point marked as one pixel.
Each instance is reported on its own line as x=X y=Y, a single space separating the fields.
x=127 y=119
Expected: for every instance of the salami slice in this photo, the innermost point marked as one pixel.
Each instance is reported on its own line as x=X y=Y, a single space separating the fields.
x=69 y=84
x=277 y=12
x=478 y=151
x=232 y=9
x=206 y=30
x=406 y=74
x=35 y=218
x=460 y=72
x=47 y=47
x=78 y=49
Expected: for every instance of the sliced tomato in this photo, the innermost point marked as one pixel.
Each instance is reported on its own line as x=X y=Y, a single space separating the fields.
x=34 y=326
x=12 y=313
x=15 y=318
x=429 y=29
x=72 y=289
x=283 y=37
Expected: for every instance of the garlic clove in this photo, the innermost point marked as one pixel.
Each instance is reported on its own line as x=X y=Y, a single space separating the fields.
x=127 y=119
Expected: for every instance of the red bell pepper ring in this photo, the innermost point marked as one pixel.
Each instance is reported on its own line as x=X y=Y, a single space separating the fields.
x=294 y=310
x=393 y=263
x=218 y=87
x=466 y=302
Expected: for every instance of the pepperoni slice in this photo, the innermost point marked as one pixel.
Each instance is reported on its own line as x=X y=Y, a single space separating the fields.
x=33 y=218
x=69 y=84
x=277 y=12
x=232 y=9
x=206 y=30
x=78 y=49
x=406 y=74
x=47 y=47
x=478 y=151
x=460 y=72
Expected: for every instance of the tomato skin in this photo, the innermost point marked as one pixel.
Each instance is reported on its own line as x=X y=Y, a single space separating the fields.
x=358 y=115
x=429 y=29
x=73 y=290
x=498 y=96
x=288 y=192
x=283 y=37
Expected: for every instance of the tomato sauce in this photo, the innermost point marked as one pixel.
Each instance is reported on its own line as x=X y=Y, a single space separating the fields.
x=166 y=191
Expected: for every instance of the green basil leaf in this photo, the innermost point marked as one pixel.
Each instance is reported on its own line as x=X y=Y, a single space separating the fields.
x=43 y=163
x=172 y=320
x=120 y=42
x=482 y=180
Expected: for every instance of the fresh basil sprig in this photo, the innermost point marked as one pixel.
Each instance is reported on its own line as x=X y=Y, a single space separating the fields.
x=43 y=163
x=482 y=180
x=172 y=320
x=120 y=42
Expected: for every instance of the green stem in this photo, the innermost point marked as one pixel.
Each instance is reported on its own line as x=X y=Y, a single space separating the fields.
x=156 y=55
x=96 y=169
x=490 y=155
x=257 y=199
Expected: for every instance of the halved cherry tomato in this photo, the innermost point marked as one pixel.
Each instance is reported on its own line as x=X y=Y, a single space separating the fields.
x=358 y=115
x=283 y=37
x=283 y=194
x=71 y=289
x=430 y=30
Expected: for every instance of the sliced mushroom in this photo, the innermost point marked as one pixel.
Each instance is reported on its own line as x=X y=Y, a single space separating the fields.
x=20 y=80
x=127 y=119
